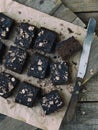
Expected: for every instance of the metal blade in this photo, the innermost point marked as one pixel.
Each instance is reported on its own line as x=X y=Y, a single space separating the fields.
x=81 y=73
x=86 y=48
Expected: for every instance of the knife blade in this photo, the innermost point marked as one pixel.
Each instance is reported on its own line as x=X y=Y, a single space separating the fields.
x=81 y=71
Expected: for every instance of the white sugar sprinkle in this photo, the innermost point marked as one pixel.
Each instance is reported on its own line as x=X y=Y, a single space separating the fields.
x=13 y=79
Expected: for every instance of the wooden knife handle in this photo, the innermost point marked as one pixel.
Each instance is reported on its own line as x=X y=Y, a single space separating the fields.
x=74 y=100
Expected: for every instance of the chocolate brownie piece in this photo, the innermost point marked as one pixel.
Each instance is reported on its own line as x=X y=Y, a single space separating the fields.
x=45 y=40
x=27 y=94
x=51 y=102
x=39 y=66
x=15 y=59
x=68 y=47
x=59 y=73
x=7 y=84
x=2 y=49
x=6 y=24
x=25 y=35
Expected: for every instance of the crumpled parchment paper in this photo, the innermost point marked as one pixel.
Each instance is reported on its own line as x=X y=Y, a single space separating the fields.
x=35 y=115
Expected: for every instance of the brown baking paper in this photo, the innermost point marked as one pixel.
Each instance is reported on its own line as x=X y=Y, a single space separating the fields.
x=35 y=115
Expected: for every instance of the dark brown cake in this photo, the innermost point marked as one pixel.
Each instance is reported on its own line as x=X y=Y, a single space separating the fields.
x=51 y=102
x=68 y=47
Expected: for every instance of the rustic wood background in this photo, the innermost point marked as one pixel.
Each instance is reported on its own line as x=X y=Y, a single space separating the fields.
x=77 y=12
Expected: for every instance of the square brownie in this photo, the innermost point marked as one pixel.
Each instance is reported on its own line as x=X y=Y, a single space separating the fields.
x=51 y=102
x=68 y=47
x=6 y=24
x=7 y=84
x=27 y=94
x=45 y=40
x=39 y=66
x=2 y=49
x=59 y=73
x=25 y=35
x=15 y=59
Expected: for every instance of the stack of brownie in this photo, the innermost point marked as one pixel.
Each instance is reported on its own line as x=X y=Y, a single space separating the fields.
x=42 y=40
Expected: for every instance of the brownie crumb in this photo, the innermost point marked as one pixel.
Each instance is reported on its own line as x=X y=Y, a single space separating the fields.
x=70 y=31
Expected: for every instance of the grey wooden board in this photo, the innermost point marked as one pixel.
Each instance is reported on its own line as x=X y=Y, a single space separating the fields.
x=66 y=14
x=12 y=124
x=82 y=5
x=86 y=118
x=85 y=16
x=91 y=92
x=2 y=117
x=87 y=121
x=46 y=6
x=54 y=7
x=20 y=125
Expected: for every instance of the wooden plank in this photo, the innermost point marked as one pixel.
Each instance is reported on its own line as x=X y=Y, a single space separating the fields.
x=46 y=6
x=17 y=125
x=2 y=117
x=55 y=8
x=82 y=5
x=88 y=113
x=12 y=124
x=79 y=22
x=13 y=9
x=66 y=14
x=90 y=94
x=86 y=118
x=85 y=16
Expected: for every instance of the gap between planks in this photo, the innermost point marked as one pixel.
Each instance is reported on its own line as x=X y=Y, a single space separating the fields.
x=82 y=5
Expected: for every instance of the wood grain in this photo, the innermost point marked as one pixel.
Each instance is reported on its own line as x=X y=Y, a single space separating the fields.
x=82 y=5
x=46 y=6
x=86 y=118
x=85 y=17
x=90 y=95
x=66 y=14
x=12 y=124
x=55 y=8
x=39 y=19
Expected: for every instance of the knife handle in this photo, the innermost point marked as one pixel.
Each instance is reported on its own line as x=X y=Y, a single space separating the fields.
x=74 y=100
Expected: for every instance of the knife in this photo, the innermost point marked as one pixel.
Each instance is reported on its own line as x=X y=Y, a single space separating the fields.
x=81 y=71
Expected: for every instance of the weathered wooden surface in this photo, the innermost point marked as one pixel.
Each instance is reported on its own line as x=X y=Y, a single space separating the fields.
x=91 y=92
x=46 y=6
x=82 y=5
x=12 y=124
x=66 y=14
x=37 y=18
x=85 y=17
x=55 y=8
x=86 y=118
x=82 y=122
